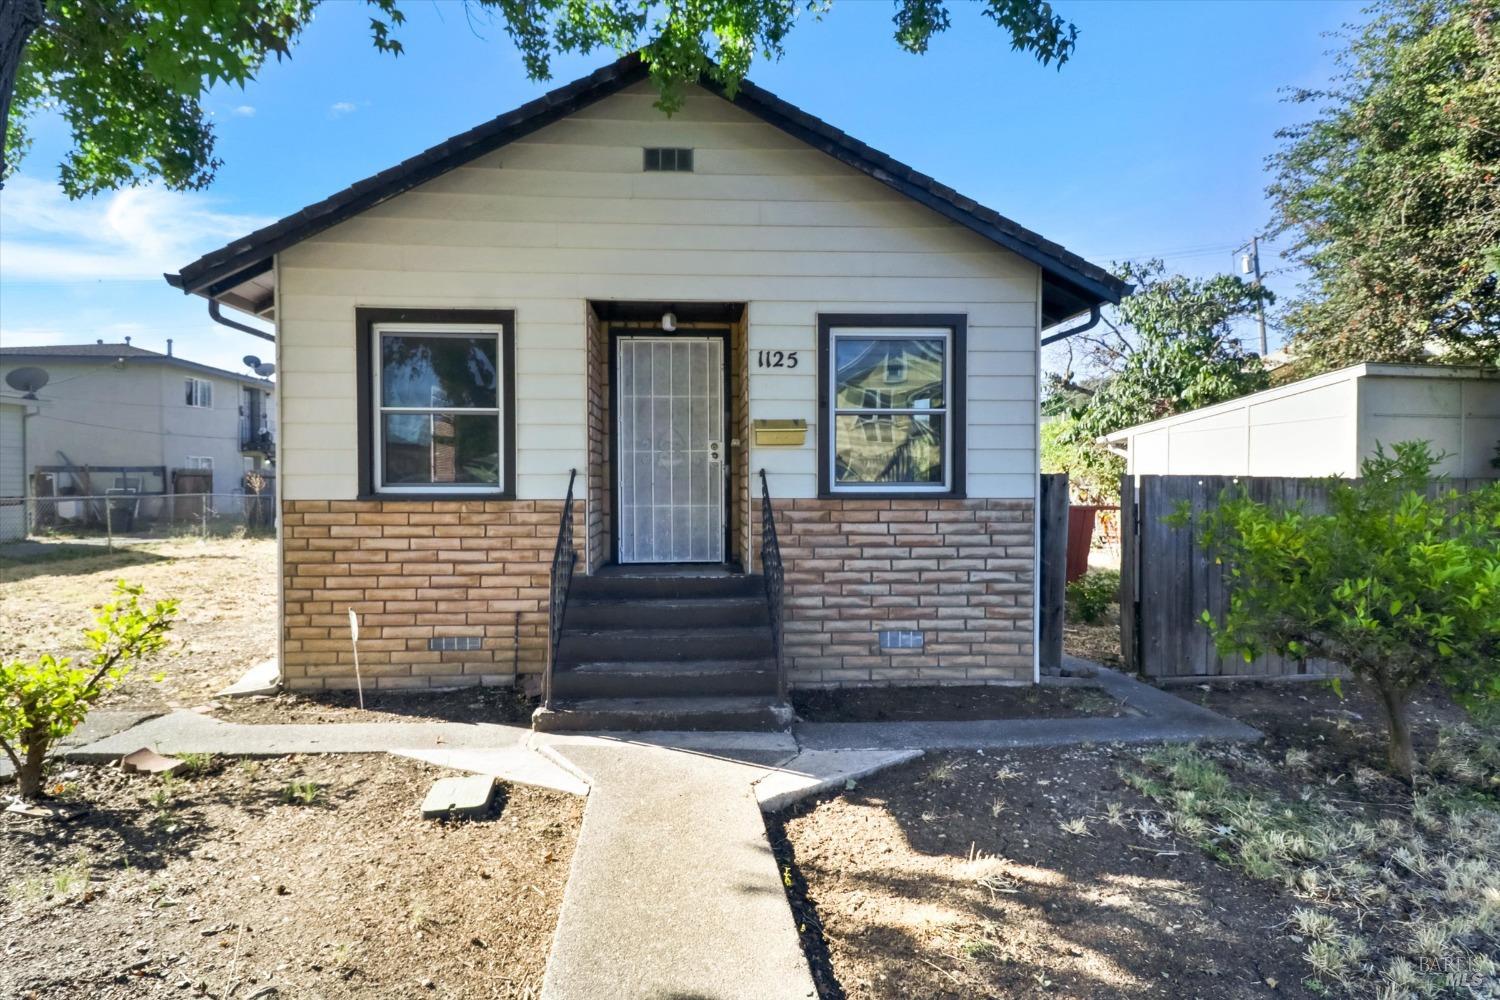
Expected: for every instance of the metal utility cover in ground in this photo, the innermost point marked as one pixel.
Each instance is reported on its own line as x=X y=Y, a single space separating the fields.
x=466 y=796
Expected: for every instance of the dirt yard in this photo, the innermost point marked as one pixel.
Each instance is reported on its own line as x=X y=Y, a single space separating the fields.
x=227 y=622
x=951 y=703
x=1291 y=869
x=1098 y=643
x=293 y=877
x=470 y=704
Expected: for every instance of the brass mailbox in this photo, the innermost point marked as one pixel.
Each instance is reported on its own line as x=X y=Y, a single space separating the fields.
x=780 y=433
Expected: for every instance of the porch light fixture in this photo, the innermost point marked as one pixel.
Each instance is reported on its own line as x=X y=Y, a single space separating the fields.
x=669 y=321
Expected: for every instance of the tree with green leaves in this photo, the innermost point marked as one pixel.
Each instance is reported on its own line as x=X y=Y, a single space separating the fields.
x=1391 y=193
x=1093 y=471
x=129 y=77
x=42 y=701
x=1396 y=581
x=1168 y=348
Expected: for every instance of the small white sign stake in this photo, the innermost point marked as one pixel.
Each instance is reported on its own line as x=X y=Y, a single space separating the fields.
x=354 y=641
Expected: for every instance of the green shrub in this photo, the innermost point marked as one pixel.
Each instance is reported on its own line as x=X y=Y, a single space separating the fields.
x=1090 y=596
x=43 y=701
x=1399 y=582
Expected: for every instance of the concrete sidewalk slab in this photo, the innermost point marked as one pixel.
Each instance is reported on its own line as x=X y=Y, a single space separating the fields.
x=99 y=724
x=190 y=732
x=1156 y=716
x=813 y=772
x=674 y=891
x=263 y=678
x=517 y=765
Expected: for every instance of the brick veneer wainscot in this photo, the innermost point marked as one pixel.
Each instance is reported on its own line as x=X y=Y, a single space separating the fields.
x=960 y=570
x=415 y=570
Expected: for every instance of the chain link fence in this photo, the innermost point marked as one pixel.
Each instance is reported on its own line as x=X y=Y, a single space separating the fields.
x=126 y=517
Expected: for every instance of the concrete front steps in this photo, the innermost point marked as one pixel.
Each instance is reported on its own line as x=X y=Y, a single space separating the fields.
x=665 y=648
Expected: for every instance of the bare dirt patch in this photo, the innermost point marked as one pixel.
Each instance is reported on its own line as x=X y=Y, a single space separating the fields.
x=472 y=704
x=951 y=704
x=226 y=883
x=1097 y=643
x=1346 y=730
x=1294 y=867
x=954 y=877
x=227 y=621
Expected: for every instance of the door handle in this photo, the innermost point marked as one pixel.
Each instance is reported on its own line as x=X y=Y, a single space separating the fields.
x=713 y=451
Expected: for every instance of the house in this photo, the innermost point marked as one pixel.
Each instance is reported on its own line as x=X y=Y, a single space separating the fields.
x=120 y=417
x=667 y=307
x=12 y=467
x=1326 y=425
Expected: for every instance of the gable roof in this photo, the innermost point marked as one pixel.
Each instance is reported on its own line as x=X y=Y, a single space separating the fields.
x=110 y=352
x=235 y=273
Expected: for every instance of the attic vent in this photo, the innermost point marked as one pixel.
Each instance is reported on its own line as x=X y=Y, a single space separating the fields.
x=667 y=158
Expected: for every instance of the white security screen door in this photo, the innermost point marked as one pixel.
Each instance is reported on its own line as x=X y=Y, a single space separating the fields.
x=671 y=449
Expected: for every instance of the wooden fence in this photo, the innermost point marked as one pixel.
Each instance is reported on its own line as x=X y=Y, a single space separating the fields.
x=1167 y=580
x=1052 y=591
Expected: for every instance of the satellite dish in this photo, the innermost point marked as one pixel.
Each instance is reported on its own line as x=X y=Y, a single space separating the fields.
x=26 y=380
x=265 y=369
x=251 y=361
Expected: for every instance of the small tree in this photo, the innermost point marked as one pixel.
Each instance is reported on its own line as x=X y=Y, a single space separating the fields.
x=43 y=701
x=1399 y=581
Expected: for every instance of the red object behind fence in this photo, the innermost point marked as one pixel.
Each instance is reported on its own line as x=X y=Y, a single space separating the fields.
x=1081 y=537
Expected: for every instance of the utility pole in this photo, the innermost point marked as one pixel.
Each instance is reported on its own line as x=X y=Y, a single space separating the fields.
x=1250 y=264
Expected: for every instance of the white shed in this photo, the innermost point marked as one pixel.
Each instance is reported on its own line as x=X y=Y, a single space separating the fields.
x=1327 y=424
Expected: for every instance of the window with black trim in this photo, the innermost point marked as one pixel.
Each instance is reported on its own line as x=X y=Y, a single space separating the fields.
x=892 y=405
x=437 y=402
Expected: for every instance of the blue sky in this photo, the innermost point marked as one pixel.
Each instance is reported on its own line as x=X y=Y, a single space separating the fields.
x=1151 y=141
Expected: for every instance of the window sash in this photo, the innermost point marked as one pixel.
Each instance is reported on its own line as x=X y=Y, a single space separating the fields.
x=379 y=410
x=200 y=393
x=937 y=412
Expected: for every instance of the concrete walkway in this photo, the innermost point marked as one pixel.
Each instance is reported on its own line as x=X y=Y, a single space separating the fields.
x=1152 y=716
x=192 y=732
x=674 y=892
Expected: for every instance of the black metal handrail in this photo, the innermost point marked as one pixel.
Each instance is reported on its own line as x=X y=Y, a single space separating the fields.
x=770 y=563
x=564 y=558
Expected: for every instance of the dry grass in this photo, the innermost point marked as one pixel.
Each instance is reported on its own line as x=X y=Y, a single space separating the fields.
x=1398 y=888
x=227 y=590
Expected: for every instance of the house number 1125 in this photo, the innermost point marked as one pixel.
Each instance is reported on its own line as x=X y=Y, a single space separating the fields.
x=776 y=359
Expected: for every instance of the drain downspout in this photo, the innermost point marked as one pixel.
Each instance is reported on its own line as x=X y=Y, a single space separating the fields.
x=222 y=320
x=1093 y=321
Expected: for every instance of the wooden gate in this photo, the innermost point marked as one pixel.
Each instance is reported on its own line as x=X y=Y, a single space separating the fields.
x=1167 y=580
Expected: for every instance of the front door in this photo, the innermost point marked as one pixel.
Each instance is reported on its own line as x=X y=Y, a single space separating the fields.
x=670 y=429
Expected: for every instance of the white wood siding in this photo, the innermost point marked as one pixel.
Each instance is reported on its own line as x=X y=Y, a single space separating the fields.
x=12 y=471
x=567 y=215
x=12 y=450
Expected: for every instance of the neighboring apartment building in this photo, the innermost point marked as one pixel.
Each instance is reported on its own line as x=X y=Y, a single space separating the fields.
x=132 y=417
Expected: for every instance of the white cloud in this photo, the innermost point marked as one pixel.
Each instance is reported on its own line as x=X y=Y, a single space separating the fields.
x=341 y=108
x=244 y=111
x=134 y=234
